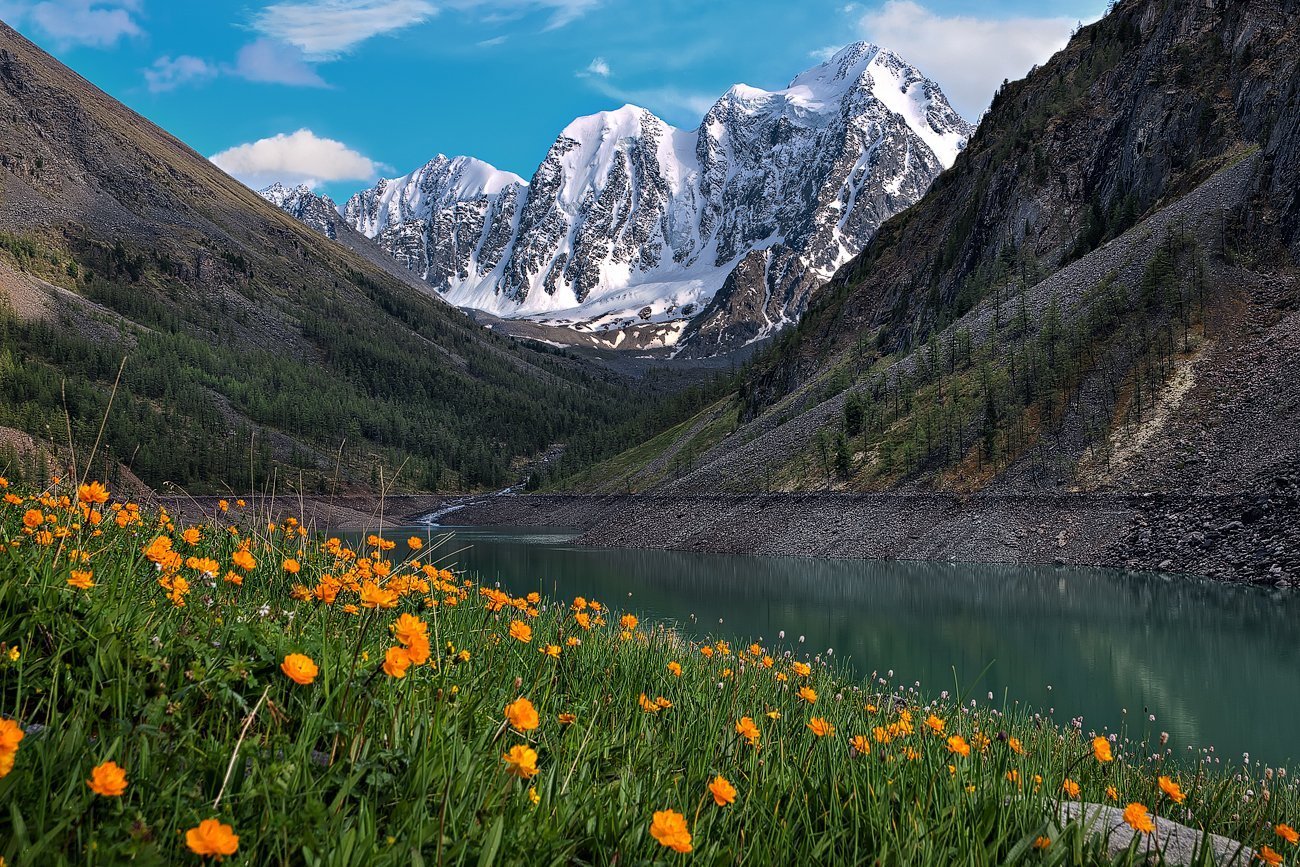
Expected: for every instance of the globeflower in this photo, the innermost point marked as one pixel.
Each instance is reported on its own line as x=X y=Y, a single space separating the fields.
x=669 y=828
x=1101 y=749
x=521 y=714
x=11 y=734
x=521 y=762
x=1139 y=818
x=860 y=744
x=93 y=494
x=1287 y=833
x=521 y=631
x=396 y=662
x=107 y=780
x=292 y=566
x=244 y=560
x=212 y=838
x=1172 y=789
x=80 y=579
x=299 y=668
x=802 y=669
x=748 y=730
x=675 y=669
x=808 y=694
x=723 y=792
x=820 y=727
x=1070 y=787
x=415 y=543
x=1269 y=857
x=934 y=724
x=628 y=621
x=957 y=745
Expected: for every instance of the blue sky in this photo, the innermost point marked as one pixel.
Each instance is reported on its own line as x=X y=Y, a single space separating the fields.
x=339 y=92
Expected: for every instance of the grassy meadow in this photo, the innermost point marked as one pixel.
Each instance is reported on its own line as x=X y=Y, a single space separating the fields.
x=244 y=690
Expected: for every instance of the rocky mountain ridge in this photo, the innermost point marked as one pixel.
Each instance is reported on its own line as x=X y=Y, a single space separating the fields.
x=714 y=237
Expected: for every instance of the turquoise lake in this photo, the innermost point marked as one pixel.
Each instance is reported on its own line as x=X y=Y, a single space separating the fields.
x=1217 y=665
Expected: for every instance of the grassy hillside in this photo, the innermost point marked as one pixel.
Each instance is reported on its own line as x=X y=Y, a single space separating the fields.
x=252 y=345
x=167 y=689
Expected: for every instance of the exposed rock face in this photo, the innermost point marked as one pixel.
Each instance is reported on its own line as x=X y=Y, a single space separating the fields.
x=450 y=221
x=629 y=221
x=317 y=212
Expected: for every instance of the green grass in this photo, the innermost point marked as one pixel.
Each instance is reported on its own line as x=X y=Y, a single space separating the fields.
x=360 y=768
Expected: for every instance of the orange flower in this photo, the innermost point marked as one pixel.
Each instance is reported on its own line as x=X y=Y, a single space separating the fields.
x=669 y=828
x=628 y=621
x=1016 y=747
x=80 y=579
x=93 y=494
x=820 y=727
x=934 y=724
x=1287 y=833
x=521 y=631
x=415 y=543
x=723 y=792
x=583 y=619
x=1172 y=789
x=521 y=762
x=808 y=694
x=191 y=536
x=396 y=662
x=1042 y=842
x=408 y=629
x=292 y=566
x=10 y=736
x=213 y=838
x=1269 y=857
x=748 y=730
x=567 y=719
x=299 y=668
x=108 y=780
x=244 y=560
x=1101 y=749
x=957 y=744
x=675 y=669
x=1139 y=818
x=802 y=669
x=521 y=714
x=374 y=596
x=1070 y=787
x=33 y=518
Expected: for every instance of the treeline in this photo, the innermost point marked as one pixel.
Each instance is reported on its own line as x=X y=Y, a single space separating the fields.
x=984 y=405
x=202 y=406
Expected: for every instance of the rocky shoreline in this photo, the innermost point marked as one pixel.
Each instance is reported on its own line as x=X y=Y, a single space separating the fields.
x=1253 y=537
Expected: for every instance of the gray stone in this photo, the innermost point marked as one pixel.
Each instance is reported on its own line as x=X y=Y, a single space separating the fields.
x=1174 y=843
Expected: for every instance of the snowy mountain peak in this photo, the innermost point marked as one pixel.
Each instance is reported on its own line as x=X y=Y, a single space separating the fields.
x=317 y=211
x=631 y=223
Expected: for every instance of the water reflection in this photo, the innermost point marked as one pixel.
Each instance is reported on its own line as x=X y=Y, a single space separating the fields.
x=1217 y=665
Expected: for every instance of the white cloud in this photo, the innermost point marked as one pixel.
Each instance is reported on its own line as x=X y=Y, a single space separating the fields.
x=562 y=11
x=824 y=54
x=598 y=66
x=968 y=56
x=169 y=73
x=271 y=62
x=97 y=23
x=326 y=29
x=493 y=42
x=297 y=158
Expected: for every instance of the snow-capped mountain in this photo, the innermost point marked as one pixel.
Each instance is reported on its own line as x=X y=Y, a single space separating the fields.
x=316 y=211
x=716 y=236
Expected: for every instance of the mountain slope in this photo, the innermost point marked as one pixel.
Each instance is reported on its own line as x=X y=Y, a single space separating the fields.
x=1098 y=303
x=252 y=343
x=630 y=227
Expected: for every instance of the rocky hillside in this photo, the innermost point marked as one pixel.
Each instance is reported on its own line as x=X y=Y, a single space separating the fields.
x=254 y=348
x=645 y=235
x=1099 y=300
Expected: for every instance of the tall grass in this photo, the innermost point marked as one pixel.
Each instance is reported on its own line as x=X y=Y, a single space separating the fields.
x=183 y=687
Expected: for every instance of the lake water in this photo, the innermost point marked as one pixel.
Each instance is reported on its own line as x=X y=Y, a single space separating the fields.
x=1217 y=665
